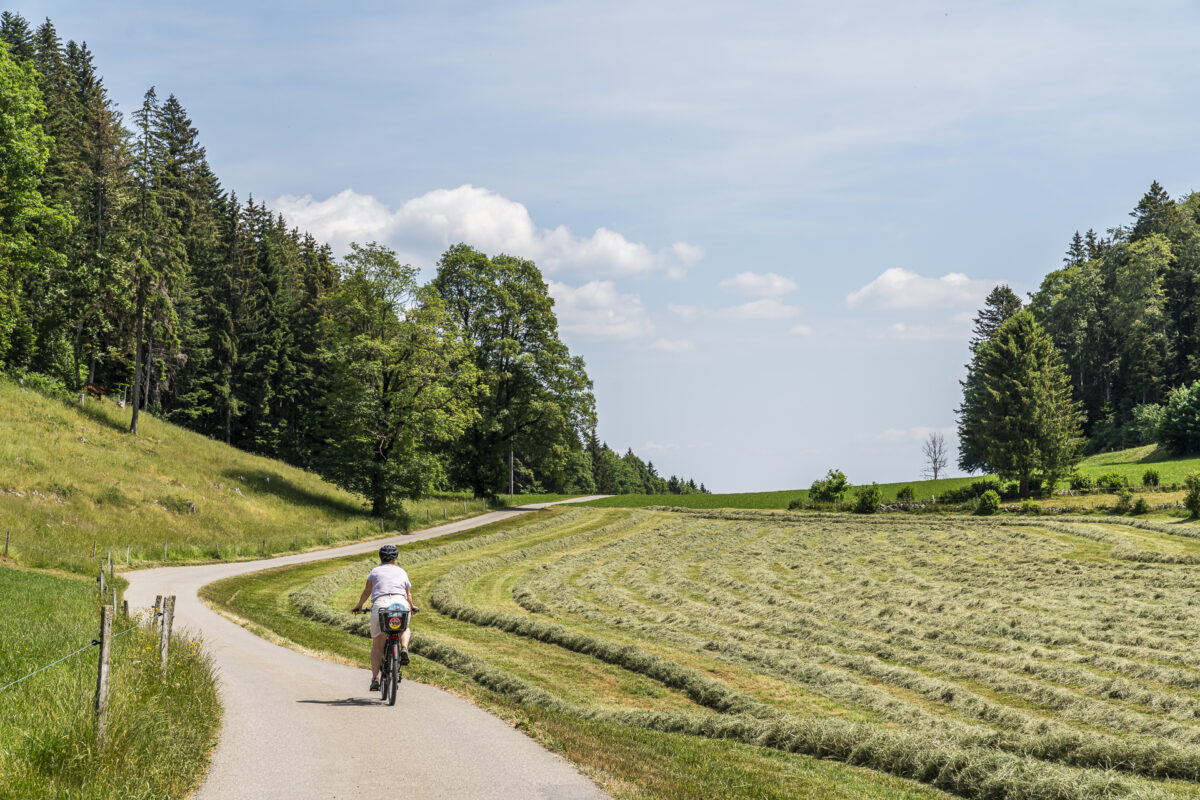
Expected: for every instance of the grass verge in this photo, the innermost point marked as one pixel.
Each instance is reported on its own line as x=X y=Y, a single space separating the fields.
x=160 y=733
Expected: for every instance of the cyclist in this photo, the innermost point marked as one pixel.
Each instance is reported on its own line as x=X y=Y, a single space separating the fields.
x=387 y=585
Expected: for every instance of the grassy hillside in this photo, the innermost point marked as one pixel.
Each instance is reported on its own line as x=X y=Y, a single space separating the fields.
x=766 y=500
x=1131 y=463
x=1134 y=462
x=72 y=477
x=159 y=732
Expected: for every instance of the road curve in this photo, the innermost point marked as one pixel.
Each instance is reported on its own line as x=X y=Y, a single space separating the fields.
x=298 y=727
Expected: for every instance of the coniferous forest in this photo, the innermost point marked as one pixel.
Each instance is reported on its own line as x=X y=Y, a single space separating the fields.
x=1105 y=355
x=128 y=269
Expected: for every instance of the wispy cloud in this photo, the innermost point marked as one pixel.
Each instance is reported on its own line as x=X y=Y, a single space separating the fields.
x=673 y=345
x=753 y=284
x=766 y=309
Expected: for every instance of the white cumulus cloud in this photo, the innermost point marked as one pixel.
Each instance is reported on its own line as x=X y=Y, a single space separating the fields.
x=753 y=284
x=898 y=288
x=596 y=310
x=485 y=220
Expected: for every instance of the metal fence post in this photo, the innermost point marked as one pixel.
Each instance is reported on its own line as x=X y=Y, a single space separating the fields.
x=102 y=674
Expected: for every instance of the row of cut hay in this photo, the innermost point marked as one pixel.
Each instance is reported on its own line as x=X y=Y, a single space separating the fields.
x=969 y=772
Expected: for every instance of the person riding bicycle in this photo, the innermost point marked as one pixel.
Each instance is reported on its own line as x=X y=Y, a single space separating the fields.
x=387 y=585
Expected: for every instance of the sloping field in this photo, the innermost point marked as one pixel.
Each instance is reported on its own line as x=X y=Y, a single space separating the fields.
x=1015 y=659
x=1131 y=463
x=72 y=477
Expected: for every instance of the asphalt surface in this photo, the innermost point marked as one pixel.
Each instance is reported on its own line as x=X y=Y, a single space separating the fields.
x=298 y=727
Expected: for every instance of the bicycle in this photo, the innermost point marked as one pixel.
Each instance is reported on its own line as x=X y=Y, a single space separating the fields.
x=393 y=621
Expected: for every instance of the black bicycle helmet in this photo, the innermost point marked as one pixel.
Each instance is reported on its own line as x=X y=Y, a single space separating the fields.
x=388 y=552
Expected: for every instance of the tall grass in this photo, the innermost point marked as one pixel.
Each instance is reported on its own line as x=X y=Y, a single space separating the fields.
x=159 y=733
x=73 y=480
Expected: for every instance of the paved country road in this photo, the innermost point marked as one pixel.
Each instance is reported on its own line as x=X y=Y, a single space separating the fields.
x=297 y=727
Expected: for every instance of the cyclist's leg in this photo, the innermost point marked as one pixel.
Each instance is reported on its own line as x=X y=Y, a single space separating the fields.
x=404 y=639
x=377 y=654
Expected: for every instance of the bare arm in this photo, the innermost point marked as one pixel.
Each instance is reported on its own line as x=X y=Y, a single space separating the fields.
x=408 y=596
x=366 y=592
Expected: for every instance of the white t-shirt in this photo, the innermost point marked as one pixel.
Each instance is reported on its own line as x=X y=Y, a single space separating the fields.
x=388 y=579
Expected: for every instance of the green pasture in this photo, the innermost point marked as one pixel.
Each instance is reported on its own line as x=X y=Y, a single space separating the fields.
x=72 y=479
x=991 y=658
x=924 y=490
x=1131 y=463
x=159 y=733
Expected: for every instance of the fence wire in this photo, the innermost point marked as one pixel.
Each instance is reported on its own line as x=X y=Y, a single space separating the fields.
x=88 y=646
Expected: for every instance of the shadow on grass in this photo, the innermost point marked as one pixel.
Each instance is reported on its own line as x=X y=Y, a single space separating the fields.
x=271 y=483
x=104 y=414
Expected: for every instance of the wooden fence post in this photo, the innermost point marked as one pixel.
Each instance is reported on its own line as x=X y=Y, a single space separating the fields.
x=102 y=674
x=327 y=537
x=168 y=621
x=156 y=619
x=114 y=591
x=264 y=548
x=164 y=551
x=464 y=506
x=110 y=568
x=7 y=534
x=444 y=514
x=94 y=544
x=127 y=561
x=101 y=580
x=125 y=609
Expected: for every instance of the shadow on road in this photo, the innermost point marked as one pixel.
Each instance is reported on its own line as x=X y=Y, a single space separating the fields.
x=349 y=701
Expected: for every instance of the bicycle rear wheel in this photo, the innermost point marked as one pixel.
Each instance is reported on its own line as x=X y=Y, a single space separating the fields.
x=385 y=668
x=392 y=679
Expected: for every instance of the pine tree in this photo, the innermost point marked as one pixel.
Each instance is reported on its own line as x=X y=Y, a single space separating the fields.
x=1076 y=252
x=15 y=32
x=1000 y=305
x=1155 y=213
x=1029 y=421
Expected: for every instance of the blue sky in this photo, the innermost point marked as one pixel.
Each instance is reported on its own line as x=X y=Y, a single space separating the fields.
x=766 y=226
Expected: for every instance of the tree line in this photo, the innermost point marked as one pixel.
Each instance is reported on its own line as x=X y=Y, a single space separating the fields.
x=1105 y=354
x=127 y=268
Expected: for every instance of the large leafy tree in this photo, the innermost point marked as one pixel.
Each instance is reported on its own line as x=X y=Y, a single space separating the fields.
x=400 y=379
x=1000 y=305
x=537 y=398
x=1026 y=414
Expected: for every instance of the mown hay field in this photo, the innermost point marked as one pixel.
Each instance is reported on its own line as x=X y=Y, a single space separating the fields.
x=1015 y=658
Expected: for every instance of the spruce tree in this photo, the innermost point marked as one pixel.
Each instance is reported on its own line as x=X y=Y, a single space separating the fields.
x=1026 y=414
x=1000 y=305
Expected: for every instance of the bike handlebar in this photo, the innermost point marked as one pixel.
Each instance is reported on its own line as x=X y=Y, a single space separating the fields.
x=412 y=610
